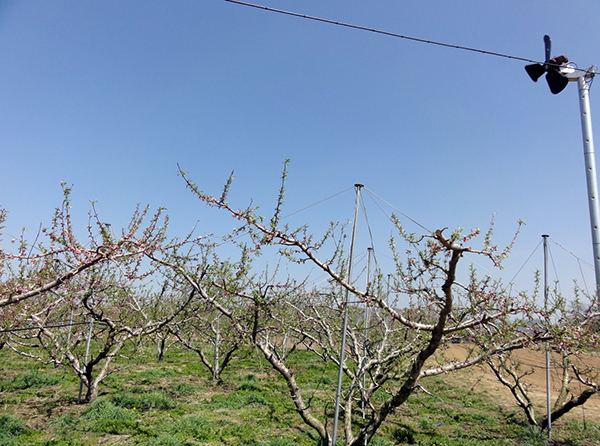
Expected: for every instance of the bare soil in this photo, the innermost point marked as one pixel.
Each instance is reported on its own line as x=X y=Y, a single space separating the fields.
x=482 y=378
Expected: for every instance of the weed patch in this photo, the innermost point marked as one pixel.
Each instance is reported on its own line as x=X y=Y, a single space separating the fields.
x=404 y=435
x=153 y=400
x=154 y=374
x=194 y=426
x=533 y=436
x=156 y=400
x=30 y=378
x=250 y=384
x=183 y=388
x=107 y=418
x=10 y=429
x=237 y=400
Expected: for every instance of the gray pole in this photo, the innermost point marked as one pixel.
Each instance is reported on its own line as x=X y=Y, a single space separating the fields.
x=548 y=385
x=365 y=338
x=338 y=392
x=70 y=329
x=583 y=77
x=584 y=81
x=364 y=376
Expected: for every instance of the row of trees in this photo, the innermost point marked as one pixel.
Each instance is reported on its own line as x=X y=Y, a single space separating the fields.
x=142 y=285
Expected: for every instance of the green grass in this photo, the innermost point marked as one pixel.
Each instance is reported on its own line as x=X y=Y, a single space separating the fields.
x=533 y=436
x=145 y=401
x=32 y=378
x=237 y=400
x=182 y=388
x=108 y=418
x=10 y=430
x=175 y=403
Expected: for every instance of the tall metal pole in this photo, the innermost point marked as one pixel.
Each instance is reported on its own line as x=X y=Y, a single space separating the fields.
x=338 y=392
x=559 y=72
x=548 y=401
x=584 y=82
x=365 y=338
x=70 y=329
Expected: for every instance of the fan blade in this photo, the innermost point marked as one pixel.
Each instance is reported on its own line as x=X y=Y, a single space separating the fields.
x=547 y=46
x=556 y=81
x=535 y=71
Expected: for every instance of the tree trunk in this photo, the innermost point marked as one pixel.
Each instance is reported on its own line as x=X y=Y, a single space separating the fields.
x=92 y=392
x=160 y=348
x=572 y=403
x=564 y=388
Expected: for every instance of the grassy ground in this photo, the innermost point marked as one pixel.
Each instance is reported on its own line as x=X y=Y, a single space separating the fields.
x=174 y=403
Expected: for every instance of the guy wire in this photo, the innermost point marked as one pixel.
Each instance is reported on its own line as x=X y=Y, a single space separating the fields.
x=523 y=266
x=314 y=204
x=400 y=212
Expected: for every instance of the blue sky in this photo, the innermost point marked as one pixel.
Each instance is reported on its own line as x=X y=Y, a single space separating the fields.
x=109 y=96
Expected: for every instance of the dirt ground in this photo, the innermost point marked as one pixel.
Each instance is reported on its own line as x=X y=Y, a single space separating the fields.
x=483 y=378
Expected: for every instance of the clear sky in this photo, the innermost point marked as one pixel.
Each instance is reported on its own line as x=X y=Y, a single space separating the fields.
x=109 y=96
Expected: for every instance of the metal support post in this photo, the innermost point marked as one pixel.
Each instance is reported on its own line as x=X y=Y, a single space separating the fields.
x=584 y=82
x=338 y=392
x=548 y=383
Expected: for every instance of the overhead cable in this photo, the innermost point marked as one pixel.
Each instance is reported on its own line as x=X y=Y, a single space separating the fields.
x=391 y=34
